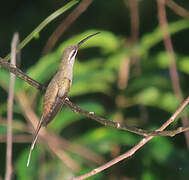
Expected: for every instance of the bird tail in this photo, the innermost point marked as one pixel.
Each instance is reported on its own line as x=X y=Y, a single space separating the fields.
x=34 y=139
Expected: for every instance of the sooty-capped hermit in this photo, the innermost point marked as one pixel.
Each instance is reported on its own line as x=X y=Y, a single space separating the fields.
x=58 y=89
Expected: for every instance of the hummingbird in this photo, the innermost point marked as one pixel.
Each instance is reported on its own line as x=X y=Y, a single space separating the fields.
x=58 y=89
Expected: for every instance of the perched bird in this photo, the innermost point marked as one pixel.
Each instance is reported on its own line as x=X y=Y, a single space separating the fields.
x=58 y=89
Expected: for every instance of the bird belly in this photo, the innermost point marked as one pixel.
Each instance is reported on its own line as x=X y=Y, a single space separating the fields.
x=54 y=98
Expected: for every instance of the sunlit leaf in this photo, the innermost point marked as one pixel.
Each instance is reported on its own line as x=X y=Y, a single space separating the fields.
x=149 y=80
x=3 y=130
x=92 y=81
x=163 y=60
x=5 y=79
x=157 y=152
x=148 y=175
x=102 y=139
x=184 y=65
x=148 y=96
x=114 y=60
x=153 y=97
x=22 y=170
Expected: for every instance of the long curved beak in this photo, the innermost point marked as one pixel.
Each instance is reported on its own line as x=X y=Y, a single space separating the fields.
x=82 y=41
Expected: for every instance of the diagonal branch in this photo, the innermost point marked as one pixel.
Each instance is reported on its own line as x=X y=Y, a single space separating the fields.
x=92 y=115
x=123 y=126
x=135 y=148
x=177 y=9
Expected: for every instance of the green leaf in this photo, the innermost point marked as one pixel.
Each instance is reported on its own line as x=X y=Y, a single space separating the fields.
x=153 y=97
x=83 y=67
x=5 y=80
x=149 y=80
x=184 y=65
x=148 y=96
x=168 y=102
x=157 y=152
x=102 y=139
x=3 y=130
x=55 y=170
x=93 y=81
x=163 y=60
x=148 y=175
x=24 y=172
x=115 y=60
x=3 y=108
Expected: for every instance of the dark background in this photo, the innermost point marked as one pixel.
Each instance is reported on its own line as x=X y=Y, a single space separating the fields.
x=24 y=16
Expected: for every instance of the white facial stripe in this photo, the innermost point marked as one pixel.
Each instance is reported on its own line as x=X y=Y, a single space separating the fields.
x=72 y=55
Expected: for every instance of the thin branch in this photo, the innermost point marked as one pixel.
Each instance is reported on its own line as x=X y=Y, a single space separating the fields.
x=133 y=149
x=102 y=120
x=123 y=126
x=65 y=25
x=134 y=11
x=17 y=138
x=169 y=48
x=135 y=21
x=172 y=69
x=8 y=173
x=12 y=68
x=177 y=9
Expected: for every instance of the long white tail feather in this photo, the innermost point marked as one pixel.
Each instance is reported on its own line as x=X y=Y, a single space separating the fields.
x=34 y=140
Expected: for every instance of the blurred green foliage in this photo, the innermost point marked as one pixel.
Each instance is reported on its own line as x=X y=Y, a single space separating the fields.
x=147 y=102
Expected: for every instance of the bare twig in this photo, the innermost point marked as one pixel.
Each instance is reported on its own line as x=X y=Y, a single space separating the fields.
x=8 y=173
x=172 y=69
x=65 y=25
x=17 y=138
x=177 y=9
x=135 y=21
x=13 y=69
x=169 y=48
x=123 y=126
x=134 y=11
x=133 y=149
